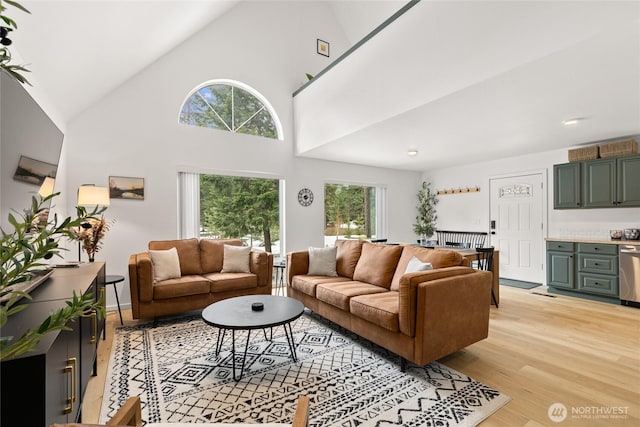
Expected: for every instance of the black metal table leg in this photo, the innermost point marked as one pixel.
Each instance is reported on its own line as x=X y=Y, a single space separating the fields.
x=292 y=345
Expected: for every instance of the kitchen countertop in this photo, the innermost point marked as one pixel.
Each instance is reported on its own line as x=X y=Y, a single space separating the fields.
x=593 y=240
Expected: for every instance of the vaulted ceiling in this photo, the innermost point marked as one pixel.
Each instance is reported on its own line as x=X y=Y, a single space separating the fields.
x=456 y=81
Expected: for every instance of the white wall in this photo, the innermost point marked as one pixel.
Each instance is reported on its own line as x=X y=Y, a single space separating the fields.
x=470 y=211
x=134 y=131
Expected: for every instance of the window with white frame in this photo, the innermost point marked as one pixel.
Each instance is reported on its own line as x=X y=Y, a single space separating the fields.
x=354 y=211
x=233 y=107
x=225 y=206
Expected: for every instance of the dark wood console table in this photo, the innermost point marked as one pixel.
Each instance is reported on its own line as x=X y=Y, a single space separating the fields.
x=52 y=378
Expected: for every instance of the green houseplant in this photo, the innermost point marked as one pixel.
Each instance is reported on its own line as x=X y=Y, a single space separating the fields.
x=7 y=25
x=33 y=239
x=425 y=224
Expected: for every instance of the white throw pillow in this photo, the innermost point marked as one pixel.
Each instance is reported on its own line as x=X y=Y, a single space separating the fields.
x=416 y=265
x=166 y=264
x=322 y=261
x=236 y=259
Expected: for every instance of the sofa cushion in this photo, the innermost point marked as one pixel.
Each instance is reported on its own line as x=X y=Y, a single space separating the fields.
x=166 y=264
x=188 y=252
x=307 y=284
x=338 y=294
x=380 y=309
x=322 y=261
x=212 y=253
x=182 y=287
x=438 y=259
x=348 y=253
x=416 y=265
x=221 y=282
x=236 y=259
x=377 y=264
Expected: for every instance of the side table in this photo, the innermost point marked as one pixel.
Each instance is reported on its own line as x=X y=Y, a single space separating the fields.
x=112 y=280
x=279 y=267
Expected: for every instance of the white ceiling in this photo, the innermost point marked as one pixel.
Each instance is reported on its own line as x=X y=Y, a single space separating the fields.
x=473 y=81
x=467 y=109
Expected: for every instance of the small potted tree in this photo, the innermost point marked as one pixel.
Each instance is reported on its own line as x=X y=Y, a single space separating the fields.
x=425 y=224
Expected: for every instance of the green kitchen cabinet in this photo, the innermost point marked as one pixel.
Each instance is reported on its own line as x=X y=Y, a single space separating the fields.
x=583 y=269
x=628 y=181
x=601 y=183
x=566 y=186
x=560 y=265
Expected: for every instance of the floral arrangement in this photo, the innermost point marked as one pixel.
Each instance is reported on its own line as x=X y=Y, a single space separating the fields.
x=90 y=234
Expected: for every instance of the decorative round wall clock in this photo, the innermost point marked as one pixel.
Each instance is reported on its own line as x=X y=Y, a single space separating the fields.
x=305 y=197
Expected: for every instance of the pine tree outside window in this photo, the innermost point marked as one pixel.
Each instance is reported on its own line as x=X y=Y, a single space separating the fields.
x=233 y=107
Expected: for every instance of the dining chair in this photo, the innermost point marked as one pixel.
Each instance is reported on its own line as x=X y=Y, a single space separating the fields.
x=485 y=262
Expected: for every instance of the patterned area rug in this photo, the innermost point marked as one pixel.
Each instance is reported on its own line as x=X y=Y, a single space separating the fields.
x=350 y=381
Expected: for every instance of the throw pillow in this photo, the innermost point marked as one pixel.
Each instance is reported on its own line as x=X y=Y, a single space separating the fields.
x=416 y=265
x=236 y=259
x=166 y=264
x=322 y=261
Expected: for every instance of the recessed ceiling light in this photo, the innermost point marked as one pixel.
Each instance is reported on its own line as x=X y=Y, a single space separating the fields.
x=572 y=121
x=412 y=152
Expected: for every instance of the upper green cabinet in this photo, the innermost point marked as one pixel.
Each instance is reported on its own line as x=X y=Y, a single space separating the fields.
x=599 y=183
x=602 y=183
x=566 y=188
x=629 y=181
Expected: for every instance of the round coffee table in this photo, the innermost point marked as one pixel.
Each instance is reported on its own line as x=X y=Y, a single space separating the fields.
x=237 y=314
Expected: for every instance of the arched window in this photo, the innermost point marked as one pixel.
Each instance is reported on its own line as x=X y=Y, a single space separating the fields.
x=231 y=106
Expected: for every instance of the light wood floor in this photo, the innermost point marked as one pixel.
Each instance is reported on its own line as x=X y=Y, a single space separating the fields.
x=540 y=351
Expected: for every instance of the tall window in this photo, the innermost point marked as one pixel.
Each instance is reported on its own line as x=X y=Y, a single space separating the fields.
x=231 y=106
x=220 y=206
x=353 y=212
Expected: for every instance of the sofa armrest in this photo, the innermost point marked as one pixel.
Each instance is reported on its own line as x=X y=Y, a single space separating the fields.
x=408 y=304
x=140 y=279
x=452 y=313
x=261 y=264
x=297 y=263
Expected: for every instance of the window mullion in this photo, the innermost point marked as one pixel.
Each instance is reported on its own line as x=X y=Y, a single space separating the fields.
x=214 y=111
x=254 y=114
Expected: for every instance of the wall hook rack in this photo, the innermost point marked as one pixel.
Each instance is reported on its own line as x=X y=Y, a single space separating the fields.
x=459 y=190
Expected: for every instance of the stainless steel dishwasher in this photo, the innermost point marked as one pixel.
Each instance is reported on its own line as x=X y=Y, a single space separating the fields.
x=630 y=275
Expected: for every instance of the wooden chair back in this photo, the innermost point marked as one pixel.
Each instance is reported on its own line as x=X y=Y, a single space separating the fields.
x=130 y=415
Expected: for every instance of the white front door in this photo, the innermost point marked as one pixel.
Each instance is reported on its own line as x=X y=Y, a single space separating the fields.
x=517 y=224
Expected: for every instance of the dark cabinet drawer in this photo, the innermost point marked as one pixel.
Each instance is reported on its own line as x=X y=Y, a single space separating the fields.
x=598 y=264
x=560 y=246
x=598 y=284
x=598 y=248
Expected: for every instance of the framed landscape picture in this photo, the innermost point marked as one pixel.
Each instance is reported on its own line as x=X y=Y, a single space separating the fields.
x=34 y=171
x=124 y=187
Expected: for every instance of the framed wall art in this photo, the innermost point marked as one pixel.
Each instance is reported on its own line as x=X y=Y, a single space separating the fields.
x=323 y=48
x=34 y=171
x=124 y=187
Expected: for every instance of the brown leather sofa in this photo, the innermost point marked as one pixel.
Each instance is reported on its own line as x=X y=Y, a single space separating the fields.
x=202 y=282
x=420 y=316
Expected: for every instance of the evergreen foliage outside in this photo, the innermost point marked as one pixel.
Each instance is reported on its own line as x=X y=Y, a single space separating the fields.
x=230 y=108
x=233 y=207
x=425 y=225
x=352 y=206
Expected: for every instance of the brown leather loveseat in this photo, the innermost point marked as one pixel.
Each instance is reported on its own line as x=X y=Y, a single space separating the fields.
x=420 y=316
x=201 y=280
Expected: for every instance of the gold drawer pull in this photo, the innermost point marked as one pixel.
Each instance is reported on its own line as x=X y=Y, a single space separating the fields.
x=70 y=368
